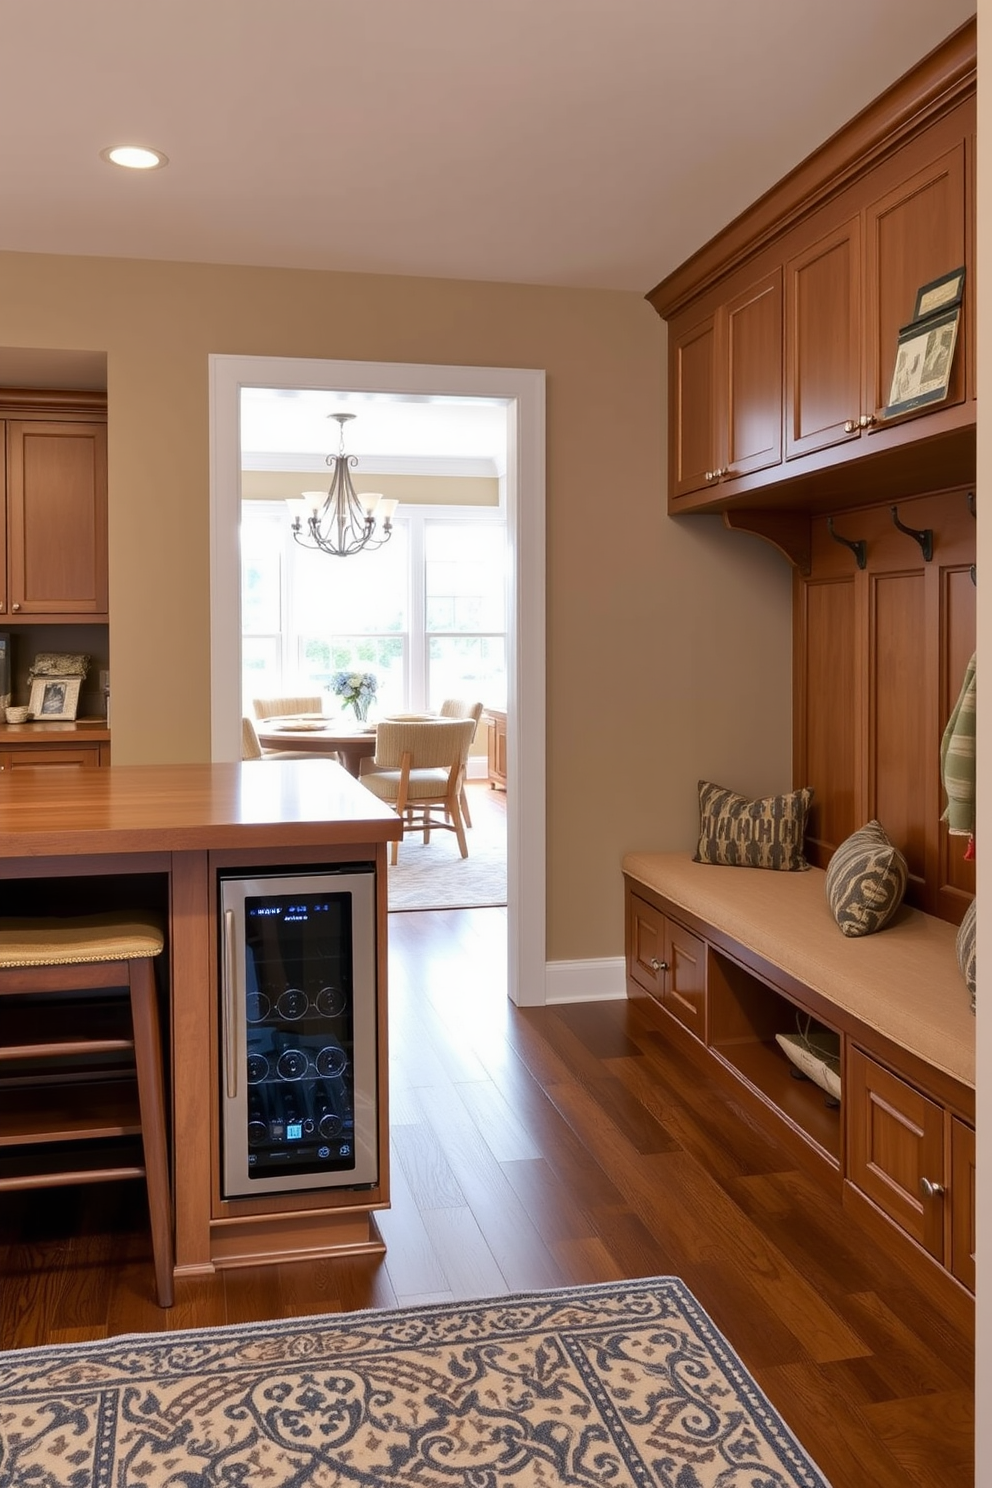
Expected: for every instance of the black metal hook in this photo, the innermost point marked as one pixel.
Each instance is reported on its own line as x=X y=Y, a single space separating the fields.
x=971 y=503
x=924 y=535
x=974 y=575
x=858 y=547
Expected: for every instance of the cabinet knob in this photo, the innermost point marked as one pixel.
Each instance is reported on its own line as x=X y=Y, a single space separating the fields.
x=709 y=475
x=658 y=965
x=15 y=605
x=867 y=421
x=931 y=1190
x=851 y=426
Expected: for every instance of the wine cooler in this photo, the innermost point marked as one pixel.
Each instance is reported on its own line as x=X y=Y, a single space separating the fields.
x=298 y=1030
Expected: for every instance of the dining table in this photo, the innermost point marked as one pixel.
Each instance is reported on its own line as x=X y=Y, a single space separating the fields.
x=350 y=742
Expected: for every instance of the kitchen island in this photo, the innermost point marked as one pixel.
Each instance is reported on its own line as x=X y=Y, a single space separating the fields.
x=158 y=837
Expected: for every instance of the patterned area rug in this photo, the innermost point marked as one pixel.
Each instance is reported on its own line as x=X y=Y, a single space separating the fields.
x=436 y=876
x=627 y=1385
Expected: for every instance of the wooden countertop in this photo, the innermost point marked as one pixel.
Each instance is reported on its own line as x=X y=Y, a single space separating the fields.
x=39 y=731
x=175 y=808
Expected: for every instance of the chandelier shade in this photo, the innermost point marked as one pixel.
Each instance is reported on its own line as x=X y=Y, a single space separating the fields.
x=341 y=520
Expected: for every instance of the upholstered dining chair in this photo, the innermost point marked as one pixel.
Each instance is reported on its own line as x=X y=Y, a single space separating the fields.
x=251 y=748
x=458 y=708
x=419 y=769
x=286 y=707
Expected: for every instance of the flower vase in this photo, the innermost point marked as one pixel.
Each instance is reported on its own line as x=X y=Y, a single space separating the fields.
x=361 y=710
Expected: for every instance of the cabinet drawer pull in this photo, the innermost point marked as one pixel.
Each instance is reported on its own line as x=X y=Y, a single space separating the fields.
x=658 y=965
x=931 y=1190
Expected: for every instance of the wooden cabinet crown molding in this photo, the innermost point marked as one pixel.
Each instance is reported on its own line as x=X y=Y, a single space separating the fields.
x=41 y=402
x=935 y=86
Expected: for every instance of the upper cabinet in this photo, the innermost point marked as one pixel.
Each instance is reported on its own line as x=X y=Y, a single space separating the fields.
x=783 y=330
x=54 y=532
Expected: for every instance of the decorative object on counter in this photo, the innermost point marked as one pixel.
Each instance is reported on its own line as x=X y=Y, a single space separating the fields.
x=59 y=664
x=5 y=693
x=620 y=1382
x=17 y=715
x=356 y=690
x=925 y=350
x=54 y=699
x=736 y=832
x=866 y=880
x=340 y=521
x=965 y=947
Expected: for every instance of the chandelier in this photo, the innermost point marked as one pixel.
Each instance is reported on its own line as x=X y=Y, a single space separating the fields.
x=341 y=521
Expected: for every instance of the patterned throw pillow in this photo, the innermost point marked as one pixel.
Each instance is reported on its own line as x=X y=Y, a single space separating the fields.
x=866 y=879
x=966 y=948
x=738 y=833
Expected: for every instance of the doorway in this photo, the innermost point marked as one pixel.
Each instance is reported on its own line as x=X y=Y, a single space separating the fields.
x=522 y=391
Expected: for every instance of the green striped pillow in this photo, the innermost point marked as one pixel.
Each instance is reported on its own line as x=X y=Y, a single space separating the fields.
x=866 y=879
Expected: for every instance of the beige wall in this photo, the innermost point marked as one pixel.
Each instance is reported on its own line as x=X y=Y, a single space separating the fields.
x=668 y=643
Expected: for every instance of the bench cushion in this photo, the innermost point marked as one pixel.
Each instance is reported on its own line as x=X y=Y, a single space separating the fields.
x=902 y=982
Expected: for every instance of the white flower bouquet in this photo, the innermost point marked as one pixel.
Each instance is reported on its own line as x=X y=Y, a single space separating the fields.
x=356 y=690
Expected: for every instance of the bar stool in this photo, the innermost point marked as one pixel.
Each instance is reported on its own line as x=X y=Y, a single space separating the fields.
x=80 y=1072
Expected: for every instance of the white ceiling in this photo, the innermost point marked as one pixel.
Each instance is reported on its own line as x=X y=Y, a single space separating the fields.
x=589 y=143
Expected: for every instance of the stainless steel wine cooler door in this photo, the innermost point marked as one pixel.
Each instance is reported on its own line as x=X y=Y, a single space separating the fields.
x=298 y=1031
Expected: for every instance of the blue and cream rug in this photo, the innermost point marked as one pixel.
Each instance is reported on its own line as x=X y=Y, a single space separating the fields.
x=627 y=1385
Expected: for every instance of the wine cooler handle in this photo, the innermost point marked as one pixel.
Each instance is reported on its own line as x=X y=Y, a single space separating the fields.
x=230 y=1005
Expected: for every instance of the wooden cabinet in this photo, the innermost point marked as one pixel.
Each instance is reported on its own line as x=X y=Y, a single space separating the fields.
x=783 y=330
x=726 y=408
x=914 y=1161
x=80 y=744
x=55 y=514
x=669 y=963
x=496 y=762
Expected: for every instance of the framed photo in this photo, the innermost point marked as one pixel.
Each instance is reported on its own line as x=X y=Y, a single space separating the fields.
x=924 y=357
x=939 y=294
x=54 y=699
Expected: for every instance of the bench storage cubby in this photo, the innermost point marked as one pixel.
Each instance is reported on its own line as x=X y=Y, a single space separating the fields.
x=732 y=958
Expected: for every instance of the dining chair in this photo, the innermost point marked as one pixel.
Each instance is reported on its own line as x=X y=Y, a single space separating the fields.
x=251 y=748
x=419 y=769
x=287 y=707
x=458 y=708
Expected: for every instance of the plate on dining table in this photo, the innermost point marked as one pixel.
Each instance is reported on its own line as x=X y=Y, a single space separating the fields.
x=300 y=725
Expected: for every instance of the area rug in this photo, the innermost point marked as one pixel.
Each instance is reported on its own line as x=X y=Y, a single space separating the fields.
x=434 y=875
x=627 y=1385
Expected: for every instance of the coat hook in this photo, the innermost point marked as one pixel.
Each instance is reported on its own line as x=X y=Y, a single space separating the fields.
x=858 y=547
x=971 y=502
x=924 y=535
x=974 y=575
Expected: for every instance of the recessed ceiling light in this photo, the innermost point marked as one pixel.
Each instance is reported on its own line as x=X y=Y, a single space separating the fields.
x=134 y=157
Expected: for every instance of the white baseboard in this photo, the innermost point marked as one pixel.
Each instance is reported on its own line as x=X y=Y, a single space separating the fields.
x=604 y=980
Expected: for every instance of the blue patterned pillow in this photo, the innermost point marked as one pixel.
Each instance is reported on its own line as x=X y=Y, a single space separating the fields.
x=866 y=879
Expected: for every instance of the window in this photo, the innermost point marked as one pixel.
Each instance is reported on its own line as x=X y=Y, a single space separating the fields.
x=426 y=612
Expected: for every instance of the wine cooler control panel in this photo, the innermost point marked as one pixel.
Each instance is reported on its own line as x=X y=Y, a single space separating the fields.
x=298 y=1031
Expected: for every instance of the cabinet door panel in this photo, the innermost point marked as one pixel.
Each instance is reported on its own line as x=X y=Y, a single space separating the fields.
x=827 y=728
x=823 y=342
x=895 y=1142
x=84 y=755
x=963 y=1243
x=755 y=377
x=57 y=518
x=647 y=946
x=694 y=404
x=685 y=984
x=914 y=234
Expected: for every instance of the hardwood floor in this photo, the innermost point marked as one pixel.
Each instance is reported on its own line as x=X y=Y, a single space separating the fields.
x=552 y=1147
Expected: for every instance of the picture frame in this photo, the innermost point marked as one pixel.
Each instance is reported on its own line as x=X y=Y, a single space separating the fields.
x=940 y=294
x=54 y=699
x=924 y=357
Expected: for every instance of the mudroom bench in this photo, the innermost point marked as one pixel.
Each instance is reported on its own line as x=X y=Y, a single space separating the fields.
x=731 y=958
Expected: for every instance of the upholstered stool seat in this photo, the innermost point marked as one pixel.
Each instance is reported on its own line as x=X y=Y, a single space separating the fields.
x=81 y=1070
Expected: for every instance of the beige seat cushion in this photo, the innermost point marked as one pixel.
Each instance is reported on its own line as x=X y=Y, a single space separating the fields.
x=44 y=941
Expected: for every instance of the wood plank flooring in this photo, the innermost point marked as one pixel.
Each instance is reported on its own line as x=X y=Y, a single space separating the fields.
x=552 y=1147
